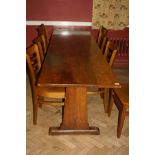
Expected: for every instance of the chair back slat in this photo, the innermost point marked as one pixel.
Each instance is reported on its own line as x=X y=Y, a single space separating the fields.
x=101 y=34
x=110 y=52
x=41 y=39
x=36 y=41
x=103 y=44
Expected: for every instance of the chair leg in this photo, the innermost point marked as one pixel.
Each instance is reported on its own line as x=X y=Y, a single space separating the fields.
x=106 y=96
x=101 y=94
x=110 y=105
x=35 y=110
x=121 y=119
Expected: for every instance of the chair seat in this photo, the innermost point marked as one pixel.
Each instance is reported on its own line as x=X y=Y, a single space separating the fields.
x=51 y=92
x=122 y=93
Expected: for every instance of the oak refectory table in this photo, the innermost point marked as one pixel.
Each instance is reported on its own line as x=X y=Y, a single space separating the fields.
x=75 y=62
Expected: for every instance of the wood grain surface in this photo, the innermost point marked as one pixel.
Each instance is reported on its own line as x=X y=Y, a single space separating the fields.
x=74 y=59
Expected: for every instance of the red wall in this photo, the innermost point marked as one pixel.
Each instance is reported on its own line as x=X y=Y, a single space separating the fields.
x=56 y=10
x=59 y=10
x=65 y=10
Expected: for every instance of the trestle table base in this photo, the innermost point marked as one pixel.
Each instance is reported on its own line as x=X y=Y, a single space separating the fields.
x=59 y=131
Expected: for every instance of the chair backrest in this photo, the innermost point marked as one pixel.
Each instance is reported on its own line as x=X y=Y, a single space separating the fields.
x=110 y=52
x=101 y=34
x=41 y=39
x=33 y=62
x=42 y=30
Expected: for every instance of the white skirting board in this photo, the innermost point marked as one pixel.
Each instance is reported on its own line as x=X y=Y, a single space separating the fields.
x=59 y=23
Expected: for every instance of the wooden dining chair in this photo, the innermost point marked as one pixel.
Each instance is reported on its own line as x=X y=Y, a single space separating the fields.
x=41 y=39
x=109 y=55
x=41 y=95
x=42 y=30
x=100 y=36
x=120 y=97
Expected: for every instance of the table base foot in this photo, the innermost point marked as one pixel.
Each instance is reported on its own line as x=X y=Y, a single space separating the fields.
x=59 y=131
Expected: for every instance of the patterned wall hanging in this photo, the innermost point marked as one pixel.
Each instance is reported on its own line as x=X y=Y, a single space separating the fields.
x=112 y=14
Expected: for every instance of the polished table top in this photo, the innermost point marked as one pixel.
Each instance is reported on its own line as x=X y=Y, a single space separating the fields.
x=73 y=59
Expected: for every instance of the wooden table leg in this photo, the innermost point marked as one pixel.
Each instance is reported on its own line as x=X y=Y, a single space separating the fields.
x=75 y=118
x=106 y=99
